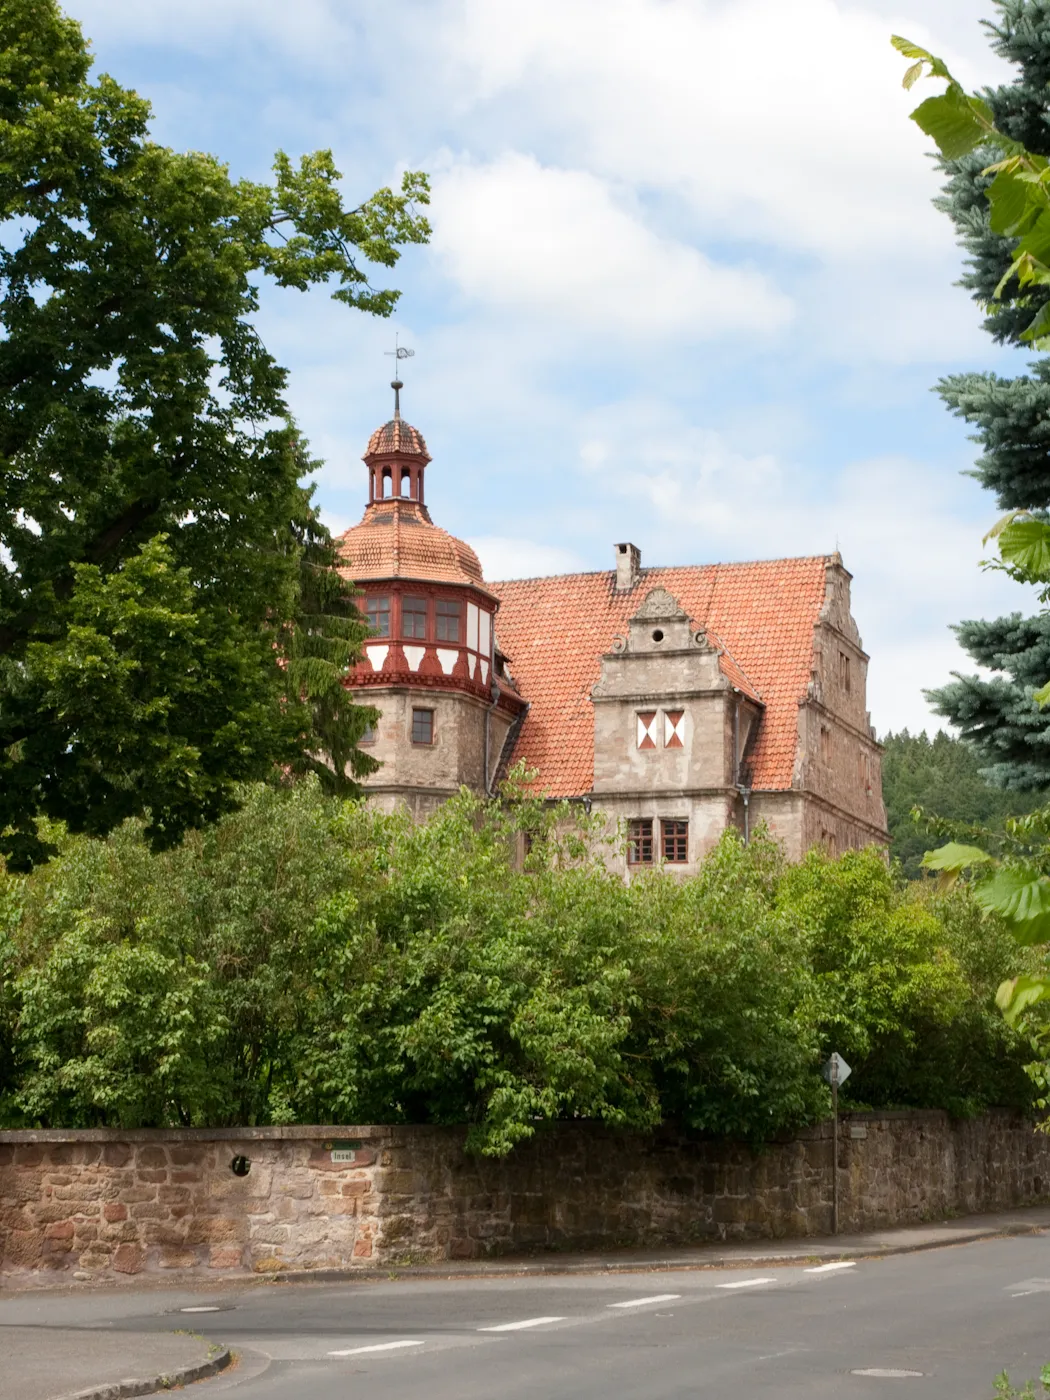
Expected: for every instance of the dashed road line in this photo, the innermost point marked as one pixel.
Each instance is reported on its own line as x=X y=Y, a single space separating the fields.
x=831 y=1268
x=746 y=1283
x=521 y=1326
x=653 y=1298
x=379 y=1346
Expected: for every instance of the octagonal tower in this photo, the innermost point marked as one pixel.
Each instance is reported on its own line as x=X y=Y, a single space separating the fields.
x=432 y=668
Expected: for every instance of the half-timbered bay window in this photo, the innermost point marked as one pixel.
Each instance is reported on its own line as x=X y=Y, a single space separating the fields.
x=674 y=840
x=446 y=620
x=414 y=618
x=640 y=841
x=378 y=610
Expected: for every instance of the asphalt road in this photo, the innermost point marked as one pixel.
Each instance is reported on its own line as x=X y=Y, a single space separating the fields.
x=954 y=1316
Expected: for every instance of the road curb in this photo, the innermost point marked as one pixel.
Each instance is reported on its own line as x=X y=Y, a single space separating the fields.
x=185 y=1375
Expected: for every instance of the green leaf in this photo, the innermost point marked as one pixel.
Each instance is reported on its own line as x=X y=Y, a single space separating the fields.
x=913 y=74
x=938 y=69
x=1025 y=544
x=1022 y=897
x=1042 y=695
x=955 y=857
x=1016 y=996
x=954 y=121
x=1015 y=199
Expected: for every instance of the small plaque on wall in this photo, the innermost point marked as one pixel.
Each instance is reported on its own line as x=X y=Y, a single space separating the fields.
x=343 y=1151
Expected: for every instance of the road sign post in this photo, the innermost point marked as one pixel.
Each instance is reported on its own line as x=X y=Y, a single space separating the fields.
x=836 y=1072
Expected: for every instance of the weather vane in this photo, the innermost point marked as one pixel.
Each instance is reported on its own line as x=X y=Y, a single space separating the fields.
x=399 y=352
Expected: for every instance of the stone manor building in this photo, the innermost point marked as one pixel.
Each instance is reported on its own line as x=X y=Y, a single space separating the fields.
x=677 y=701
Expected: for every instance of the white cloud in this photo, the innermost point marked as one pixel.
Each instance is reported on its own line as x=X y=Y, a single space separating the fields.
x=785 y=122
x=510 y=558
x=550 y=243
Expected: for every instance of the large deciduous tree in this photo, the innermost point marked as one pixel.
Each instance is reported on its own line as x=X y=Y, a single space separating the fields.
x=170 y=623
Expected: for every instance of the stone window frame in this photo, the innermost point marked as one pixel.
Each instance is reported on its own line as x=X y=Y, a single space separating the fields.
x=645 y=721
x=426 y=727
x=672 y=729
x=640 y=841
x=845 y=676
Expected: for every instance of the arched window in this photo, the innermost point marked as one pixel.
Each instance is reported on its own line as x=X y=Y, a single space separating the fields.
x=387 y=484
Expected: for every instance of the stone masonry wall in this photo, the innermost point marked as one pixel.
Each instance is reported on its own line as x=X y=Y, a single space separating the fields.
x=105 y=1203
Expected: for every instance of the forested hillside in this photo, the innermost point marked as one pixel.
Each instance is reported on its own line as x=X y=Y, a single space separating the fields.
x=943 y=776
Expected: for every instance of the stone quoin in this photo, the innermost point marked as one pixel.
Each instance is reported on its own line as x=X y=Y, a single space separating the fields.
x=673 y=701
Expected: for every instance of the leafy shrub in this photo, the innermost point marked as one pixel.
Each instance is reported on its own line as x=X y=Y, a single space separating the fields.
x=310 y=961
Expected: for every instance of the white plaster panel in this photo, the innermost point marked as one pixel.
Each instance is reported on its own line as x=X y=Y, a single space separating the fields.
x=484 y=673
x=414 y=657
x=485 y=634
x=472 y=663
x=472 y=626
x=377 y=655
x=447 y=659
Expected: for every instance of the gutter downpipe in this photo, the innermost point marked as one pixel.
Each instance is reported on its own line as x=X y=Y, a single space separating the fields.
x=745 y=792
x=495 y=693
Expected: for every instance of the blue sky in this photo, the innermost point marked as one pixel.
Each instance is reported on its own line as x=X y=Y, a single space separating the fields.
x=685 y=288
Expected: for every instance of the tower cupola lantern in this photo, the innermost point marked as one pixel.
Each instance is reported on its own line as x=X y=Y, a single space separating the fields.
x=396 y=458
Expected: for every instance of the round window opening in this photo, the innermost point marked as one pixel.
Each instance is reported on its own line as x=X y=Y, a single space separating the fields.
x=658 y=636
x=240 y=1166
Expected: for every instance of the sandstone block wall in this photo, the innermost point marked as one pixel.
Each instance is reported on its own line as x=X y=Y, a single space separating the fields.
x=99 y=1203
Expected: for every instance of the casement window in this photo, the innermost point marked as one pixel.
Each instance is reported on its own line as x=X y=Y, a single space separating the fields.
x=674 y=842
x=646 y=729
x=422 y=726
x=673 y=728
x=378 y=610
x=446 y=620
x=414 y=618
x=640 y=841
x=368 y=737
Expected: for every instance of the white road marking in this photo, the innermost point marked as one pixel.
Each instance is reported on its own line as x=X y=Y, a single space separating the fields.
x=379 y=1346
x=520 y=1326
x=747 y=1283
x=887 y=1373
x=1030 y=1285
x=638 y=1302
x=211 y=1307
x=829 y=1268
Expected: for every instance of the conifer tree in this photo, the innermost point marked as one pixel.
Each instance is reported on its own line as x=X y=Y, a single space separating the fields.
x=1011 y=417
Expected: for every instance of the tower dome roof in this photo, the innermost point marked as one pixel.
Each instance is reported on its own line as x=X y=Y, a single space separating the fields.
x=397 y=438
x=397 y=540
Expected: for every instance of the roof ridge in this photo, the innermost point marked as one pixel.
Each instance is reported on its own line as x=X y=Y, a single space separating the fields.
x=674 y=568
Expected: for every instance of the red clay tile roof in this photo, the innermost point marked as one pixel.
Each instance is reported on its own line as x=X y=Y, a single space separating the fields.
x=396 y=539
x=397 y=436
x=555 y=631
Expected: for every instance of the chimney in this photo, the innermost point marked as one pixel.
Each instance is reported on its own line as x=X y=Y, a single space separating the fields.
x=628 y=567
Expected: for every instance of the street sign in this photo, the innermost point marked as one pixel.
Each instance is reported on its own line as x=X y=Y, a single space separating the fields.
x=836 y=1071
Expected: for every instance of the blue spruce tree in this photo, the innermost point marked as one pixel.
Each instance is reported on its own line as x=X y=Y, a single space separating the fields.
x=1009 y=731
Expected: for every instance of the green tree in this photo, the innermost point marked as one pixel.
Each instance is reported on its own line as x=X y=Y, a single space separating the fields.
x=1011 y=416
x=1011 y=869
x=170 y=623
x=943 y=777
